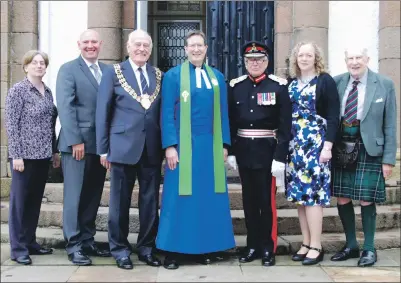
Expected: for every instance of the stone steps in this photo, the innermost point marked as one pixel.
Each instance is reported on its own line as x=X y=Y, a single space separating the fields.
x=54 y=194
x=53 y=237
x=388 y=216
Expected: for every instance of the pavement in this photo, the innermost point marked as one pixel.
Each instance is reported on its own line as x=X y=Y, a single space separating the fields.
x=57 y=268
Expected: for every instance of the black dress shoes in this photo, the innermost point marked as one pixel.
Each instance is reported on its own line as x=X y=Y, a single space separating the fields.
x=41 y=251
x=125 y=263
x=150 y=260
x=93 y=250
x=300 y=257
x=312 y=261
x=368 y=258
x=248 y=256
x=25 y=260
x=79 y=258
x=204 y=259
x=170 y=263
x=268 y=259
x=345 y=253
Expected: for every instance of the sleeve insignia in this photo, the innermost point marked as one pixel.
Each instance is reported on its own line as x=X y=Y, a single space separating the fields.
x=233 y=82
x=281 y=81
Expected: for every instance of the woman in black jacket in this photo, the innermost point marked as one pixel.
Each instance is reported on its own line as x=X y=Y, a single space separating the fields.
x=315 y=118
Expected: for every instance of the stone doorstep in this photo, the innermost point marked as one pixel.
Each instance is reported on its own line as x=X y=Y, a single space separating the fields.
x=388 y=217
x=332 y=242
x=54 y=194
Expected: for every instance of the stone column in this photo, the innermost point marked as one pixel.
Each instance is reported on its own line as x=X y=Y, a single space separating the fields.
x=129 y=15
x=5 y=79
x=282 y=36
x=105 y=17
x=390 y=47
x=19 y=33
x=311 y=22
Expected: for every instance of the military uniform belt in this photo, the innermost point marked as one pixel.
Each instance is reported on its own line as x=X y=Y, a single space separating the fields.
x=255 y=133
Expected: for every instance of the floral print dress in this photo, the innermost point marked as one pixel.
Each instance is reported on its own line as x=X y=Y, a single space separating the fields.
x=308 y=181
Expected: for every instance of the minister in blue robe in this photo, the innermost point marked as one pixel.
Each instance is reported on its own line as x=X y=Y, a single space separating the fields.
x=195 y=212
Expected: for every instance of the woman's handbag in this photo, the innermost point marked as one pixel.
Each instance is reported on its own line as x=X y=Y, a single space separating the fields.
x=346 y=153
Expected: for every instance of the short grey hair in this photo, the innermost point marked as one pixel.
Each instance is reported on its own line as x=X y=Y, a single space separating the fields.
x=139 y=33
x=356 y=48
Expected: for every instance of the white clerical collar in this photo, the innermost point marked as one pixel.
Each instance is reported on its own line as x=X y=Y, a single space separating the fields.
x=199 y=73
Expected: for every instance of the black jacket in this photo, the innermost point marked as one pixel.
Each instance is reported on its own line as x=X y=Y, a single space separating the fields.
x=327 y=104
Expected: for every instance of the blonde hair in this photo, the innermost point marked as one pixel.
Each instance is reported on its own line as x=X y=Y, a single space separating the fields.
x=319 y=60
x=28 y=57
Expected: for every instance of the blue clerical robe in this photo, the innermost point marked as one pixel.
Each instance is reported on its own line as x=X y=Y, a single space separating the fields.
x=199 y=223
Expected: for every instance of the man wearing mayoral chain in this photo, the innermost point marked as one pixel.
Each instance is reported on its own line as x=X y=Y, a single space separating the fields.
x=195 y=213
x=128 y=139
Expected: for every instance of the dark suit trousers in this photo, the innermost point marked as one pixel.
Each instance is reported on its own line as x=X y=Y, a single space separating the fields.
x=83 y=187
x=259 y=202
x=123 y=178
x=26 y=195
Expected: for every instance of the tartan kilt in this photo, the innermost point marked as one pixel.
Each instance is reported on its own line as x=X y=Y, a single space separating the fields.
x=365 y=182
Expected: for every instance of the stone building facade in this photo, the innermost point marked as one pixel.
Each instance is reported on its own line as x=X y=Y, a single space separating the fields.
x=52 y=26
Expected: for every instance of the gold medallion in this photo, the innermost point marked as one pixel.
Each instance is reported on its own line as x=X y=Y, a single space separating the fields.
x=145 y=101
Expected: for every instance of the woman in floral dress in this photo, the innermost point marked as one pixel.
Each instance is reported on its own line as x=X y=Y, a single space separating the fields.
x=315 y=114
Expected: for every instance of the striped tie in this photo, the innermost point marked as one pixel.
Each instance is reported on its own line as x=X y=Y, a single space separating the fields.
x=98 y=77
x=144 y=83
x=351 y=106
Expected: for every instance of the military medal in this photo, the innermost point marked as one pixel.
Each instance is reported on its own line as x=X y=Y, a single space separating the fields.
x=145 y=101
x=273 y=98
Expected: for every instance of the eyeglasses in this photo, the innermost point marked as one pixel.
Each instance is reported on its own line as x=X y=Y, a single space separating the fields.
x=193 y=46
x=257 y=61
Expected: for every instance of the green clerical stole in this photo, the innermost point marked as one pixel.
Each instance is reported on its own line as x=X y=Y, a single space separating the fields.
x=185 y=168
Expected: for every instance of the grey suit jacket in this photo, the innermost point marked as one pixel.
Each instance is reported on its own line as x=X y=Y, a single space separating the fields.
x=76 y=96
x=378 y=121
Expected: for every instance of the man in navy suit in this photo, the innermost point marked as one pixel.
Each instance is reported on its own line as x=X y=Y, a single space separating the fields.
x=129 y=142
x=76 y=91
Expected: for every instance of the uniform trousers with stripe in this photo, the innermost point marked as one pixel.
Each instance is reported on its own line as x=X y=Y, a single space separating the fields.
x=259 y=203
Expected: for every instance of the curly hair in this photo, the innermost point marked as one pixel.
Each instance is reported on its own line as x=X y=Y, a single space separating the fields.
x=319 y=60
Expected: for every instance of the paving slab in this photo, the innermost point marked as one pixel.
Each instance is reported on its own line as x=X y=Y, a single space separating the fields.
x=201 y=273
x=358 y=274
x=5 y=252
x=38 y=274
x=114 y=274
x=284 y=274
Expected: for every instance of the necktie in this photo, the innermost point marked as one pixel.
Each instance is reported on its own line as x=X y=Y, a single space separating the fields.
x=95 y=69
x=351 y=106
x=144 y=83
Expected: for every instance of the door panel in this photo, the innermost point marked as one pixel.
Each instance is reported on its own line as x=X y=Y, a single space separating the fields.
x=232 y=23
x=170 y=42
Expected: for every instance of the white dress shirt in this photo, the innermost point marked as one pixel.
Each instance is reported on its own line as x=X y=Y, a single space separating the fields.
x=361 y=94
x=138 y=74
x=91 y=69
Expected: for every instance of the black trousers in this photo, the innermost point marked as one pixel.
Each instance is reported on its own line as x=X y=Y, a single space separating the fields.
x=123 y=177
x=26 y=195
x=259 y=202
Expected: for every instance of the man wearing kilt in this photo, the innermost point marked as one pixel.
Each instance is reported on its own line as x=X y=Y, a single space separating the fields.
x=368 y=121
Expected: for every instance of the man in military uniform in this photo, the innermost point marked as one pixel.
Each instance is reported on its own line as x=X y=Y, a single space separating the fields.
x=260 y=122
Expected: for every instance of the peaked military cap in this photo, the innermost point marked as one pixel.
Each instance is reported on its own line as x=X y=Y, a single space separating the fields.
x=255 y=49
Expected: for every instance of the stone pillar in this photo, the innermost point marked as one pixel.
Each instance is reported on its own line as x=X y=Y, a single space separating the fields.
x=105 y=17
x=129 y=15
x=390 y=48
x=311 y=22
x=282 y=36
x=19 y=33
x=5 y=78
